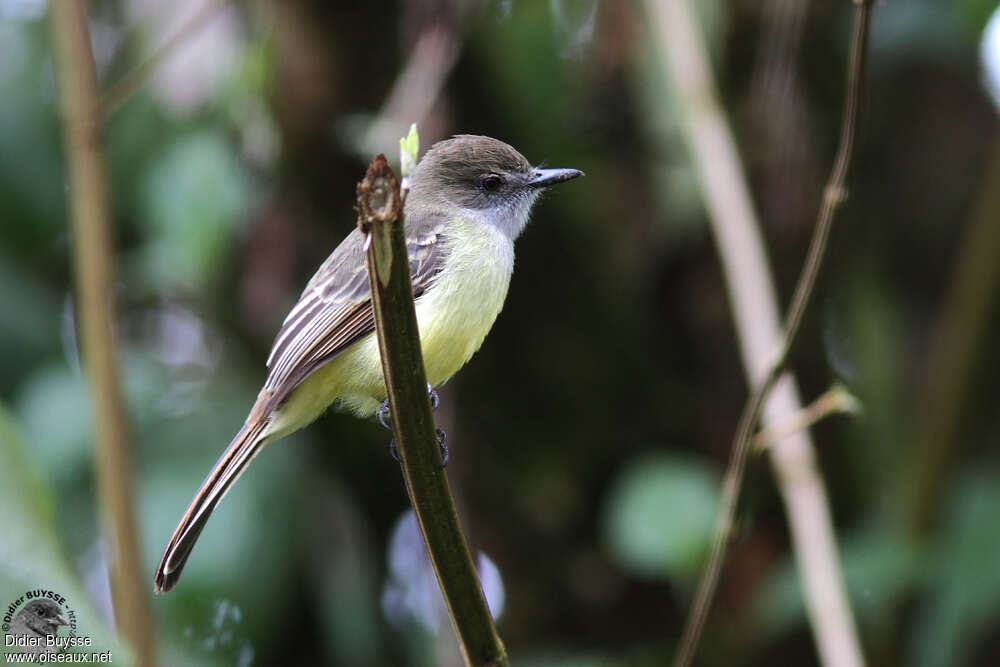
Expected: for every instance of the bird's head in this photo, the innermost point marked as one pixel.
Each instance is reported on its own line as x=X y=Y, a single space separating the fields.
x=484 y=178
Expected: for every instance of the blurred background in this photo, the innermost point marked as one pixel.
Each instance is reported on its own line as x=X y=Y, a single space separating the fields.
x=589 y=434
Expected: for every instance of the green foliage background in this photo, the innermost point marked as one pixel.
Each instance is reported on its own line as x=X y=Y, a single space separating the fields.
x=589 y=433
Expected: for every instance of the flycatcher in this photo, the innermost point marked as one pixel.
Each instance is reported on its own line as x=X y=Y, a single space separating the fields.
x=469 y=198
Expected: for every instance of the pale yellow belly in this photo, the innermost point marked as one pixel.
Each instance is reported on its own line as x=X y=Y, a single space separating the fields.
x=453 y=316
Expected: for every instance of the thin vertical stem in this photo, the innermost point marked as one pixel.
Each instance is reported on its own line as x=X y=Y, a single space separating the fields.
x=94 y=304
x=765 y=347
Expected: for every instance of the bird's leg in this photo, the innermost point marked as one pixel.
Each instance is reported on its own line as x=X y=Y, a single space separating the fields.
x=383 y=410
x=383 y=414
x=441 y=435
x=443 y=444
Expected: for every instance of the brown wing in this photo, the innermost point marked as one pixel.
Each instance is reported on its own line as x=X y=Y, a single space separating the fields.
x=334 y=310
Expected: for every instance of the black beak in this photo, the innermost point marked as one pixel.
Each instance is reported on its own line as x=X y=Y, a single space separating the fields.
x=543 y=178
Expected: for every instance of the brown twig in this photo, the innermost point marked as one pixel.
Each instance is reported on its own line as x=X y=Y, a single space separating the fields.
x=835 y=400
x=834 y=194
x=94 y=267
x=380 y=218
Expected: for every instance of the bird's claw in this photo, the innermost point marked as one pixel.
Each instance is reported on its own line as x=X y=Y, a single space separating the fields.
x=443 y=444
x=383 y=410
x=383 y=415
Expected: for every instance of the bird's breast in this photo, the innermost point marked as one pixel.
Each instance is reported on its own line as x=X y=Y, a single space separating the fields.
x=457 y=311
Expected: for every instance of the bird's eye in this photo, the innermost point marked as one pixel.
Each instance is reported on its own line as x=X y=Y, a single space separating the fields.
x=492 y=182
x=40 y=611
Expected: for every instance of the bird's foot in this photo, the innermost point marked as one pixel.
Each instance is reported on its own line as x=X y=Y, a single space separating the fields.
x=442 y=443
x=383 y=410
x=383 y=415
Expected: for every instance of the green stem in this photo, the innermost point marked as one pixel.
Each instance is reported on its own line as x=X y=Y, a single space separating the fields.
x=380 y=207
x=94 y=266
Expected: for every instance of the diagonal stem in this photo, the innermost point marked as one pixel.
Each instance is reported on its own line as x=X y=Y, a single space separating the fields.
x=124 y=88
x=380 y=218
x=834 y=195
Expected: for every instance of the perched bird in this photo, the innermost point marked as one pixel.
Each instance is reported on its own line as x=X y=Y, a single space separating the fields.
x=39 y=619
x=470 y=197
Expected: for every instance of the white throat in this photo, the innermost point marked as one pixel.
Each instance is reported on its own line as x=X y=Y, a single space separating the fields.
x=511 y=218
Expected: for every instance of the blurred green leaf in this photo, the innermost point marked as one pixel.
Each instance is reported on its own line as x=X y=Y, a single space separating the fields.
x=976 y=13
x=250 y=537
x=862 y=340
x=963 y=598
x=519 y=53
x=54 y=402
x=137 y=135
x=30 y=555
x=919 y=29
x=30 y=321
x=658 y=515
x=53 y=406
x=879 y=569
x=32 y=179
x=195 y=196
x=346 y=584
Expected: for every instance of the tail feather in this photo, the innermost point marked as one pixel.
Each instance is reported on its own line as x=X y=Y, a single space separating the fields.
x=224 y=473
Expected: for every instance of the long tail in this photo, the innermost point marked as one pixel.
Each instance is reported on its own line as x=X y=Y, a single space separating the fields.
x=247 y=443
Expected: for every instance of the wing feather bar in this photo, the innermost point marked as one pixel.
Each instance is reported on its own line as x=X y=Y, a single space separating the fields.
x=334 y=310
